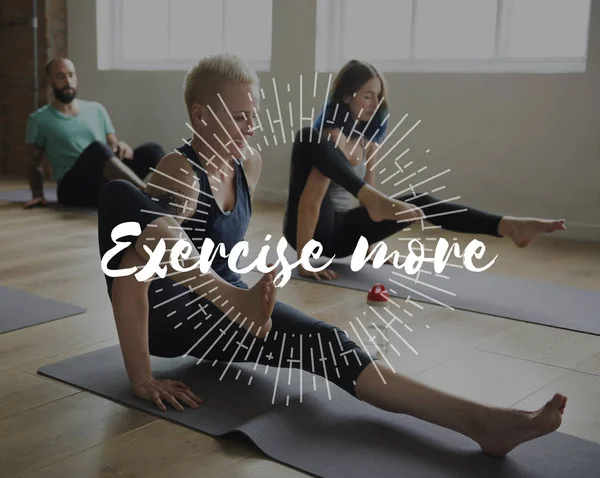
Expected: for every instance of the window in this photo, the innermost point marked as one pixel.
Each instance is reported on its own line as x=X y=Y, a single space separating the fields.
x=174 y=34
x=454 y=35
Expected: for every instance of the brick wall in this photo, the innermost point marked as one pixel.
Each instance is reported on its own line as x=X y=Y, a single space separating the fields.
x=16 y=70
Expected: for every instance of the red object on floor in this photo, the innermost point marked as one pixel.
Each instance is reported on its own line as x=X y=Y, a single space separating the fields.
x=378 y=296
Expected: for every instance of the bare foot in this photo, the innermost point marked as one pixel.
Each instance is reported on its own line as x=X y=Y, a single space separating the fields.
x=382 y=208
x=506 y=429
x=523 y=230
x=257 y=305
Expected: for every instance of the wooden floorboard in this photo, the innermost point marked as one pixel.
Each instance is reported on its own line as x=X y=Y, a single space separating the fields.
x=49 y=429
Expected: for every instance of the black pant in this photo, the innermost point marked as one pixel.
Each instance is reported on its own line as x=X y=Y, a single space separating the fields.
x=81 y=185
x=182 y=323
x=339 y=231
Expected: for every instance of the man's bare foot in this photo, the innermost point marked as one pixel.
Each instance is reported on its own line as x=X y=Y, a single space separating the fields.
x=381 y=208
x=522 y=230
x=257 y=305
x=505 y=429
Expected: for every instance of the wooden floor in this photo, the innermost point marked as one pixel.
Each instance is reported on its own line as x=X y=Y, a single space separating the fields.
x=48 y=429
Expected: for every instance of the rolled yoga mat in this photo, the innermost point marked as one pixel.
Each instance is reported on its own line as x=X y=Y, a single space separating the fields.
x=325 y=432
x=20 y=309
x=24 y=195
x=508 y=297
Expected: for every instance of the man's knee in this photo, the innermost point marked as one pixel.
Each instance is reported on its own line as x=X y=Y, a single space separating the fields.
x=98 y=148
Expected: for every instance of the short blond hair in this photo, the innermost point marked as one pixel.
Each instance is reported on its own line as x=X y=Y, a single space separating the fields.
x=206 y=78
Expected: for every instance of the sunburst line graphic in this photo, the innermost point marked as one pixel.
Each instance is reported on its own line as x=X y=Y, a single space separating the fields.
x=280 y=120
x=366 y=348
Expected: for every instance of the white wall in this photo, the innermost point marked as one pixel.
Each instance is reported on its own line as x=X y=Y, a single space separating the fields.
x=518 y=144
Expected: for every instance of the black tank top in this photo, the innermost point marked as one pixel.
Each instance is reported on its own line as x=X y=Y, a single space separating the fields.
x=228 y=227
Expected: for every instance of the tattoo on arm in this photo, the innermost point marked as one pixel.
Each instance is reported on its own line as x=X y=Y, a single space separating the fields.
x=175 y=201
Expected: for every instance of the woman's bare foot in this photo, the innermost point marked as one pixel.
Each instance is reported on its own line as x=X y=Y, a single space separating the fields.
x=256 y=305
x=505 y=429
x=382 y=208
x=522 y=230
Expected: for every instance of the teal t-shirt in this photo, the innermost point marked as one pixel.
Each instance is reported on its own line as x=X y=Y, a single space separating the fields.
x=63 y=138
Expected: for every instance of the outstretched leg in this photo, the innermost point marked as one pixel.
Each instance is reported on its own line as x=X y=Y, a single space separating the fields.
x=496 y=430
x=300 y=341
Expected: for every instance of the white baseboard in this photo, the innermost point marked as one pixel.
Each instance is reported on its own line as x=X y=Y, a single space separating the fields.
x=587 y=233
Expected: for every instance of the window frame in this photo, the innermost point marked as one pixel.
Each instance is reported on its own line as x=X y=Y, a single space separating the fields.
x=330 y=35
x=109 y=22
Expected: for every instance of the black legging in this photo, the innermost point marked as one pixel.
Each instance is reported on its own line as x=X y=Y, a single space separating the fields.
x=339 y=231
x=82 y=183
x=182 y=323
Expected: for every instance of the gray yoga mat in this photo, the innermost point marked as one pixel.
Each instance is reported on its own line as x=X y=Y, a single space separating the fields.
x=20 y=309
x=24 y=195
x=484 y=292
x=324 y=432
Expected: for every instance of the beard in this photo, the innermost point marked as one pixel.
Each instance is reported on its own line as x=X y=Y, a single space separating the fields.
x=63 y=96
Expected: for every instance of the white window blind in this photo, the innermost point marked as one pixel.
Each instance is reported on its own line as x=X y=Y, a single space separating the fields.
x=174 y=34
x=454 y=35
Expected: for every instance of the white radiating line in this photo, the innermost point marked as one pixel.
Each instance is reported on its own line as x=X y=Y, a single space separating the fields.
x=419 y=184
x=386 y=138
x=279 y=110
x=337 y=336
x=399 y=156
x=337 y=372
x=412 y=175
x=390 y=177
x=396 y=144
x=439 y=202
x=324 y=366
x=440 y=214
x=315 y=86
x=278 y=369
x=209 y=146
x=366 y=348
x=238 y=348
x=396 y=332
x=325 y=106
x=414 y=303
x=270 y=121
x=420 y=293
x=312 y=362
x=260 y=126
x=425 y=284
x=202 y=338
x=367 y=126
x=170 y=191
x=300 y=370
x=223 y=333
x=376 y=346
x=300 y=108
x=200 y=191
x=242 y=134
x=251 y=345
x=291 y=117
x=258 y=358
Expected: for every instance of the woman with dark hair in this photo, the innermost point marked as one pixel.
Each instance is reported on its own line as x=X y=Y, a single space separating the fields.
x=333 y=163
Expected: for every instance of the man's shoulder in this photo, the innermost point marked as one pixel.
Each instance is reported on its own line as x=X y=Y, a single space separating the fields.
x=40 y=113
x=91 y=105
